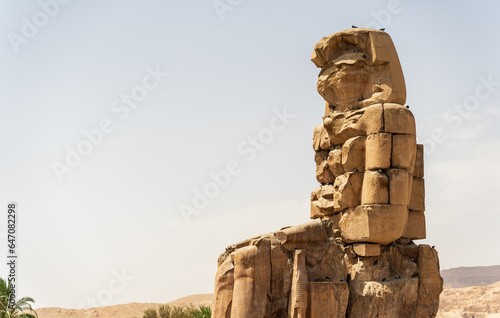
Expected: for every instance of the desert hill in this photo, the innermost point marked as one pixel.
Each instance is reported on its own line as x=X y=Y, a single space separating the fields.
x=471 y=276
x=120 y=311
x=475 y=301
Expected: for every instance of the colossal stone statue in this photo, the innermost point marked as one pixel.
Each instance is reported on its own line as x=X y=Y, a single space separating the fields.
x=356 y=258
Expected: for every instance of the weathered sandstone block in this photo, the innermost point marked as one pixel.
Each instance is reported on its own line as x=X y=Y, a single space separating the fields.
x=353 y=154
x=419 y=162
x=320 y=139
x=399 y=180
x=377 y=223
x=366 y=249
x=378 y=151
x=384 y=286
x=224 y=284
x=281 y=277
x=323 y=173
x=322 y=201
x=359 y=122
x=403 y=152
x=417 y=200
x=415 y=227
x=335 y=162
x=431 y=283
x=328 y=299
x=347 y=190
x=375 y=188
x=398 y=120
x=373 y=120
x=321 y=156
x=252 y=277
x=310 y=232
x=342 y=126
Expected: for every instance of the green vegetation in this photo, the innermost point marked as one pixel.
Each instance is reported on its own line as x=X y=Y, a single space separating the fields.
x=167 y=311
x=21 y=309
x=202 y=312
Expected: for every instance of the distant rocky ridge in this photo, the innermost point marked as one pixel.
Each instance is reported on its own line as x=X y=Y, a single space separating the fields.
x=468 y=302
x=471 y=276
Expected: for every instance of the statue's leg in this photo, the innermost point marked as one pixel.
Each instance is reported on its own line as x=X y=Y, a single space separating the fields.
x=252 y=279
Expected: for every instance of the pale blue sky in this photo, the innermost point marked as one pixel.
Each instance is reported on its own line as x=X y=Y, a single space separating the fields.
x=119 y=208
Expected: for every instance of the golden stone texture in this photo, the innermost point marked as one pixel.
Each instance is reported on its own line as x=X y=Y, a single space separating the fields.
x=356 y=257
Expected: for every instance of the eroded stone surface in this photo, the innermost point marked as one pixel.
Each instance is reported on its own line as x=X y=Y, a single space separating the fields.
x=320 y=139
x=378 y=151
x=417 y=201
x=356 y=258
x=415 y=227
x=312 y=271
x=374 y=223
x=359 y=67
x=322 y=201
x=335 y=162
x=366 y=249
x=398 y=120
x=419 y=162
x=431 y=283
x=375 y=188
x=403 y=152
x=399 y=181
x=347 y=190
x=323 y=172
x=252 y=278
x=328 y=299
x=353 y=154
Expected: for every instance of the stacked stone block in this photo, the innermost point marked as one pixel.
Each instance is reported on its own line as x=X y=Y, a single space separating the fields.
x=371 y=172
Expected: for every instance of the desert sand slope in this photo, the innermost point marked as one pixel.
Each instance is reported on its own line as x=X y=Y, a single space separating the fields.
x=471 y=276
x=120 y=311
x=475 y=301
x=195 y=300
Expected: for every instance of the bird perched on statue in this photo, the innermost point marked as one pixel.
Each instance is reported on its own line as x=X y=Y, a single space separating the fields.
x=383 y=29
x=354 y=27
